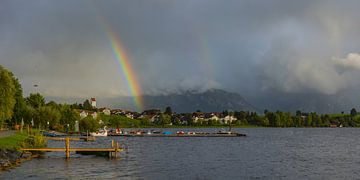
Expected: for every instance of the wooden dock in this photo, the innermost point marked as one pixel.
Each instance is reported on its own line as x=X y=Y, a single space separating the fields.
x=113 y=151
x=89 y=138
x=62 y=138
x=181 y=135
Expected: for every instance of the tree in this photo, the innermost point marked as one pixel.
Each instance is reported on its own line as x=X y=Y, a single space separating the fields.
x=47 y=114
x=68 y=116
x=89 y=124
x=87 y=105
x=168 y=110
x=164 y=119
x=7 y=95
x=35 y=100
x=115 y=121
x=20 y=106
x=53 y=104
x=353 y=112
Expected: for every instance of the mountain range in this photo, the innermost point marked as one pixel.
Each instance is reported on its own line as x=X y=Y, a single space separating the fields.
x=217 y=100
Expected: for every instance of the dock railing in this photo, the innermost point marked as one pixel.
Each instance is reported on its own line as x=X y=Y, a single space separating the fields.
x=113 y=151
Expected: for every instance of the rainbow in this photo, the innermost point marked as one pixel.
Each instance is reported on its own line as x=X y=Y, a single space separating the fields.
x=126 y=68
x=122 y=59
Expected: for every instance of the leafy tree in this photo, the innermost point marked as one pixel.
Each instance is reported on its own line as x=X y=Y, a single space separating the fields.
x=176 y=121
x=308 y=120
x=164 y=119
x=35 y=100
x=68 y=116
x=353 y=112
x=47 y=114
x=89 y=124
x=19 y=108
x=28 y=114
x=87 y=105
x=266 y=111
x=7 y=95
x=168 y=110
x=53 y=104
x=115 y=122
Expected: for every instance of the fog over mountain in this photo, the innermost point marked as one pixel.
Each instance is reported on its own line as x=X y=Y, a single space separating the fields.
x=275 y=54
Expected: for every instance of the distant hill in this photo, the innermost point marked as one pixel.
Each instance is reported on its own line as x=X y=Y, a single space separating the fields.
x=214 y=100
x=319 y=103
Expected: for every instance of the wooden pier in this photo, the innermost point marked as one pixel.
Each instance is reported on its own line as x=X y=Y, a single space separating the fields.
x=72 y=138
x=113 y=151
x=181 y=135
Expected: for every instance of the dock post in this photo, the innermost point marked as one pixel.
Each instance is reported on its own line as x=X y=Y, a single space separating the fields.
x=111 y=152
x=116 y=149
x=67 y=147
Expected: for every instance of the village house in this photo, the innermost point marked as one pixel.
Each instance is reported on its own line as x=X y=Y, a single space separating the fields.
x=228 y=119
x=198 y=117
x=83 y=114
x=129 y=115
x=212 y=117
x=154 y=118
x=93 y=102
x=118 y=112
x=105 y=111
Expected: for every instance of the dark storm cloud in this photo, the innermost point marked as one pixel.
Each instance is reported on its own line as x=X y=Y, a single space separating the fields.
x=243 y=46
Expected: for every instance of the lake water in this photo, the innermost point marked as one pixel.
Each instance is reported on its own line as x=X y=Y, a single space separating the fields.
x=266 y=153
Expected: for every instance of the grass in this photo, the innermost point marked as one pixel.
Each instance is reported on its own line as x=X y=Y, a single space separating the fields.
x=14 y=141
x=19 y=140
x=341 y=115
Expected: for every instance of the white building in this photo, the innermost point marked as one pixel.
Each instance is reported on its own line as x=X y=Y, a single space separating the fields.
x=228 y=119
x=93 y=102
x=83 y=114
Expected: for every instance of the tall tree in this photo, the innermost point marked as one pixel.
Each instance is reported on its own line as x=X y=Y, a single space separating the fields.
x=20 y=106
x=47 y=114
x=7 y=95
x=353 y=112
x=35 y=100
x=68 y=116
x=87 y=105
x=168 y=110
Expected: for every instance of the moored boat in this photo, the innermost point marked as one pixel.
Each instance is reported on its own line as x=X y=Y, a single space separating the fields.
x=102 y=133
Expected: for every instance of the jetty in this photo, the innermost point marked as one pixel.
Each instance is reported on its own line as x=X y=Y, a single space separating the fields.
x=181 y=135
x=112 y=151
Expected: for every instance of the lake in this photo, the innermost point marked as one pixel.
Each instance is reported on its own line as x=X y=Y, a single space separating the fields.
x=266 y=153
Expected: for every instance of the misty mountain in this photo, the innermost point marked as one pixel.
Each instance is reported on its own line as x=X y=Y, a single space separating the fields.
x=214 y=100
x=308 y=102
x=219 y=100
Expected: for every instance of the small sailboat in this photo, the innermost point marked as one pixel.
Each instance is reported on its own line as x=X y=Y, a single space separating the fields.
x=102 y=133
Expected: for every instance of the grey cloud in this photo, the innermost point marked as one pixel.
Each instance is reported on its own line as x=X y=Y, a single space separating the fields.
x=243 y=46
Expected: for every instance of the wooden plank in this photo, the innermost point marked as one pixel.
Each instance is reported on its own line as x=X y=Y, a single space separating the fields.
x=93 y=149
x=182 y=135
x=43 y=149
x=71 y=149
x=62 y=139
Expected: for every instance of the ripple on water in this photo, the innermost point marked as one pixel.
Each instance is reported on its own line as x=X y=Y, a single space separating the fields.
x=265 y=154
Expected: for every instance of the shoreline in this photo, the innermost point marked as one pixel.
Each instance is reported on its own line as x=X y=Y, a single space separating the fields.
x=10 y=159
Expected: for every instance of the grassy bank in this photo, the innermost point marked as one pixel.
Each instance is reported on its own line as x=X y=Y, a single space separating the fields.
x=13 y=142
x=19 y=140
x=10 y=156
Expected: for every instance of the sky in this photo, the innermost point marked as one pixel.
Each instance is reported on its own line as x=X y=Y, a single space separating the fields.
x=253 y=47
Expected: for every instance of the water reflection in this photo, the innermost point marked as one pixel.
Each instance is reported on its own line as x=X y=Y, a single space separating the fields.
x=266 y=153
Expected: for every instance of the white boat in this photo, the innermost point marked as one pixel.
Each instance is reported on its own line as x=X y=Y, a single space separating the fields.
x=102 y=133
